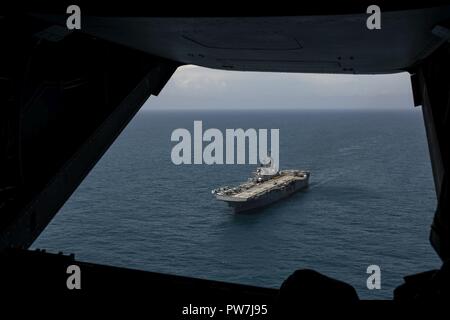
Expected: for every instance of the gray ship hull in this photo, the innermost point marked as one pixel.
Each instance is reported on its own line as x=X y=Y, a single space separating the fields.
x=265 y=199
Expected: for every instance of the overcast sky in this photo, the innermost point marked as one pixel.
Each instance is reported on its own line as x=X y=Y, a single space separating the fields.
x=193 y=87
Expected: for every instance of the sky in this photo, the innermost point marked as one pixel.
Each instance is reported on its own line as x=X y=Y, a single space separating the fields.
x=193 y=87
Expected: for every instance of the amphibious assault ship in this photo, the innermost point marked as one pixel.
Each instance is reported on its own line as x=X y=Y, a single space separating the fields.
x=265 y=187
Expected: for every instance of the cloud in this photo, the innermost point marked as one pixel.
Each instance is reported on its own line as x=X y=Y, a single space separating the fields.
x=193 y=87
x=196 y=78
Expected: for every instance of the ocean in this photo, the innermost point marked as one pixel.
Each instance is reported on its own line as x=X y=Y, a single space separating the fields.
x=370 y=202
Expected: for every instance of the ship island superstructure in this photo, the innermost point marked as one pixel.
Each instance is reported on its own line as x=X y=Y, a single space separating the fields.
x=266 y=186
